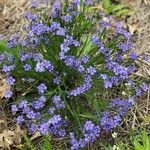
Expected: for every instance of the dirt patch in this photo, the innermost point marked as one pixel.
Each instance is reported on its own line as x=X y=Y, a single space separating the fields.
x=140 y=21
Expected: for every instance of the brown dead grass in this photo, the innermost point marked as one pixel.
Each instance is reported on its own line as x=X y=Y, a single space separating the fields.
x=11 y=19
x=10 y=133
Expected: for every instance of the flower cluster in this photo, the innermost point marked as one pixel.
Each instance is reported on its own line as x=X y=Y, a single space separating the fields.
x=60 y=66
x=121 y=107
x=30 y=115
x=90 y=133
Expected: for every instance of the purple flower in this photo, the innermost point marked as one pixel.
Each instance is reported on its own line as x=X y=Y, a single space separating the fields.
x=122 y=106
x=88 y=2
x=82 y=88
x=20 y=119
x=85 y=59
x=131 y=83
x=54 y=26
x=30 y=16
x=67 y=18
x=70 y=61
x=44 y=65
x=61 y=31
x=104 y=24
x=58 y=103
x=56 y=99
x=55 y=8
x=38 y=57
x=88 y=126
x=122 y=31
x=27 y=67
x=107 y=84
x=23 y=104
x=8 y=94
x=69 y=40
x=51 y=110
x=88 y=137
x=96 y=131
x=144 y=87
x=34 y=3
x=42 y=88
x=57 y=80
x=138 y=91
x=12 y=41
x=119 y=58
x=32 y=128
x=82 y=143
x=125 y=46
x=14 y=109
x=107 y=122
x=26 y=110
x=62 y=133
x=2 y=57
x=10 y=80
x=131 y=100
x=95 y=40
x=76 y=2
x=55 y=119
x=56 y=5
x=11 y=58
x=30 y=114
x=104 y=76
x=75 y=43
x=67 y=53
x=25 y=56
x=91 y=70
x=44 y=128
x=40 y=67
x=47 y=64
x=7 y=68
x=74 y=143
x=40 y=103
x=39 y=28
x=114 y=80
x=64 y=48
x=134 y=55
x=81 y=68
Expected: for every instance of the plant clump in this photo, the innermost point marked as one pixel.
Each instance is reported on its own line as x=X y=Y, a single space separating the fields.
x=70 y=75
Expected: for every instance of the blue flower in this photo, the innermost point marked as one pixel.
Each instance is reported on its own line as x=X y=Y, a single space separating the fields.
x=14 y=109
x=27 y=67
x=91 y=70
x=67 y=18
x=134 y=55
x=44 y=128
x=88 y=126
x=20 y=119
x=10 y=80
x=42 y=88
x=8 y=94
x=107 y=84
x=34 y=3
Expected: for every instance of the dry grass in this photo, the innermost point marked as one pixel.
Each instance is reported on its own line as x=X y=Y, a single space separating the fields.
x=11 y=12
x=140 y=114
x=10 y=133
